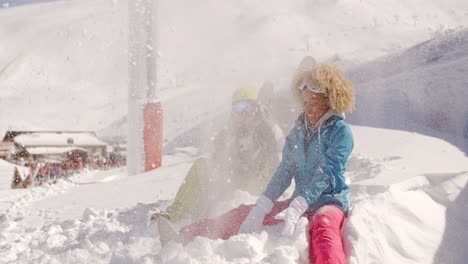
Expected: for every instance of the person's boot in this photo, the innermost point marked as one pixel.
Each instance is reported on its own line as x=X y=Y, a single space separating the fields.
x=155 y=216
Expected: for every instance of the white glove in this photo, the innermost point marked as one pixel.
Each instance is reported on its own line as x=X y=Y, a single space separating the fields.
x=292 y=214
x=254 y=220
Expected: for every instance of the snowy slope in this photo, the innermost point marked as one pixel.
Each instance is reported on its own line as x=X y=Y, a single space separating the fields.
x=407 y=207
x=252 y=41
x=62 y=65
x=422 y=89
x=12 y=3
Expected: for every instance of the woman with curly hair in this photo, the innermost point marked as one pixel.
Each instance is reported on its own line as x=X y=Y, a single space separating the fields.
x=315 y=155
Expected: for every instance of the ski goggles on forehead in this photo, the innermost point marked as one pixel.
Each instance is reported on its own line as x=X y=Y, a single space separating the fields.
x=311 y=87
x=244 y=106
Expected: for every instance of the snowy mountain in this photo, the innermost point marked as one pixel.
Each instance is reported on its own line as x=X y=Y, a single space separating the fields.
x=62 y=65
x=54 y=56
x=422 y=89
x=12 y=3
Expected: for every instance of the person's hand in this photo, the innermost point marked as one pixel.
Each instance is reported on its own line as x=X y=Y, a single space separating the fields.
x=292 y=214
x=254 y=220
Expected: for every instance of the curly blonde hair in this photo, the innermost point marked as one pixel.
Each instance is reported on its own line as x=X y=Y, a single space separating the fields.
x=338 y=88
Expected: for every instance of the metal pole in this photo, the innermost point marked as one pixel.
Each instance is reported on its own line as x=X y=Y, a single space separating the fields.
x=136 y=86
x=152 y=113
x=144 y=140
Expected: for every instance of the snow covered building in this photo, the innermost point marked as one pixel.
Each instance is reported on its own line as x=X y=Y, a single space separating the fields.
x=52 y=145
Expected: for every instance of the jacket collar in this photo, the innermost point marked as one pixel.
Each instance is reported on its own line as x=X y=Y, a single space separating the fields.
x=329 y=118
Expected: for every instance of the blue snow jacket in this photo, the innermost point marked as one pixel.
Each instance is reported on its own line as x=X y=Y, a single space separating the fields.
x=316 y=159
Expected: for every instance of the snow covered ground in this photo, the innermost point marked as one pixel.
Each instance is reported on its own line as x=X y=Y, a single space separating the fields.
x=409 y=195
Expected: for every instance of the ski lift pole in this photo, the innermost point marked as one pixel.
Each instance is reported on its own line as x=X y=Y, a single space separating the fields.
x=152 y=111
x=144 y=139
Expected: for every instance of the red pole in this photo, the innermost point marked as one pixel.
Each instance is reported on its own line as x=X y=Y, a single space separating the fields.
x=153 y=135
x=153 y=114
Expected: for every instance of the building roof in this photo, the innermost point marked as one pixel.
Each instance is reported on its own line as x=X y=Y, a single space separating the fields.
x=51 y=150
x=58 y=139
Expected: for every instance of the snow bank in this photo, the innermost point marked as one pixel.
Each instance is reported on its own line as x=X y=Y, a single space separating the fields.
x=383 y=228
x=401 y=224
x=405 y=209
x=18 y=224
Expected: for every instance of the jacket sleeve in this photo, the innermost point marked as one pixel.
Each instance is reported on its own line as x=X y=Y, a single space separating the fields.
x=281 y=180
x=333 y=164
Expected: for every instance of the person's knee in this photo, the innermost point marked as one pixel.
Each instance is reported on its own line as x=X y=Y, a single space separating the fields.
x=328 y=215
x=322 y=221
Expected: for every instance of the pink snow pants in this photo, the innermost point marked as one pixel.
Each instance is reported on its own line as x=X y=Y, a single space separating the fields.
x=326 y=244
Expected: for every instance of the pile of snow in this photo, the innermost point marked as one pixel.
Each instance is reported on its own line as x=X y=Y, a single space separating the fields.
x=16 y=223
x=408 y=206
x=28 y=222
x=403 y=186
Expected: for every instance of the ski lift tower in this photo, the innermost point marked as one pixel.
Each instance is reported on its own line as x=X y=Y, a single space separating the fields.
x=145 y=123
